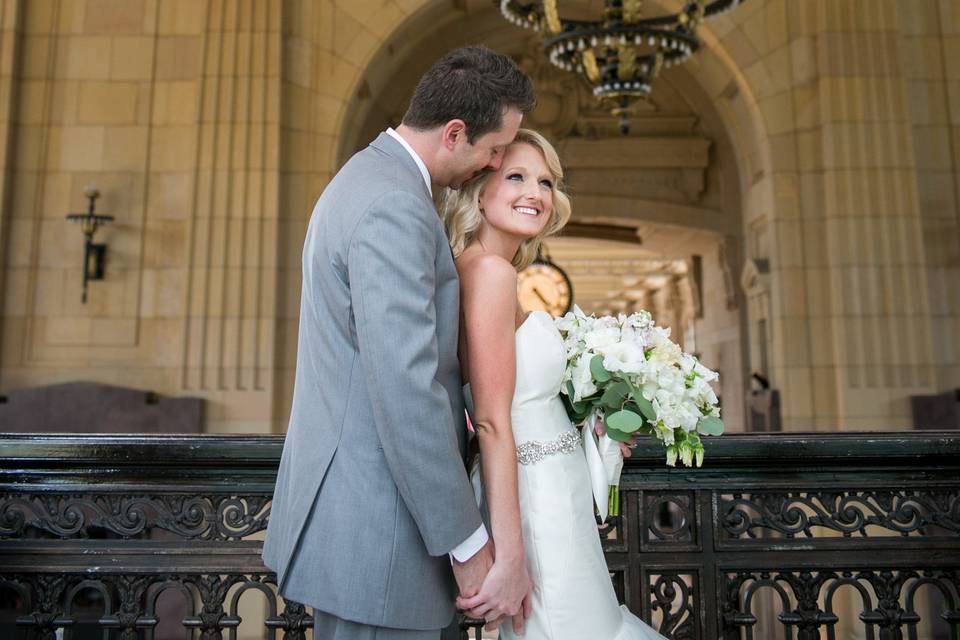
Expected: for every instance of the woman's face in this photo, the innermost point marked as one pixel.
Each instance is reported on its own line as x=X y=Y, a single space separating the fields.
x=518 y=197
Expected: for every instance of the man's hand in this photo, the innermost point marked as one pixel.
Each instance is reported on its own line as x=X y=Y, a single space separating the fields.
x=505 y=593
x=470 y=574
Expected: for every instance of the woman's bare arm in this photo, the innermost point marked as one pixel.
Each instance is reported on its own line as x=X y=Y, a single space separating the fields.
x=488 y=297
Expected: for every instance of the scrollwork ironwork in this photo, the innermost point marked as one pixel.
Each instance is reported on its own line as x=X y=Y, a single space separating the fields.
x=206 y=517
x=691 y=546
x=673 y=596
x=669 y=519
x=800 y=513
x=807 y=598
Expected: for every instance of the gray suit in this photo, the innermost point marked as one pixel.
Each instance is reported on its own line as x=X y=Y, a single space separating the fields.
x=372 y=492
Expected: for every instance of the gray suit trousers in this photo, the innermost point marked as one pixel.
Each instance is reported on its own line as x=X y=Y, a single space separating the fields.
x=329 y=627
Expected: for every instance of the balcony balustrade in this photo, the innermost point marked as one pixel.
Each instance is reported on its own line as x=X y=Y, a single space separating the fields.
x=776 y=536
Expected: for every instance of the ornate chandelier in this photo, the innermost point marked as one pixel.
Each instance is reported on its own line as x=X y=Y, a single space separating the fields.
x=621 y=55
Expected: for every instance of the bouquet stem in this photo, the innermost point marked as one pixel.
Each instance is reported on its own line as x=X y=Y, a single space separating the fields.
x=613 y=508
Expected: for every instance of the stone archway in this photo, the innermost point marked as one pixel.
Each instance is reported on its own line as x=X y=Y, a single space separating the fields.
x=676 y=181
x=705 y=168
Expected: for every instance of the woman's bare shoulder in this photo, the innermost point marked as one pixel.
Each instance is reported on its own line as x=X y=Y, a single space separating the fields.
x=481 y=268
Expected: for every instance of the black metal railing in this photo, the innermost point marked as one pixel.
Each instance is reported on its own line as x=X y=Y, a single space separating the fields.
x=777 y=536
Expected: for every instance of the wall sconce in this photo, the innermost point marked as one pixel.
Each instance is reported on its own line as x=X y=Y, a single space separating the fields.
x=94 y=255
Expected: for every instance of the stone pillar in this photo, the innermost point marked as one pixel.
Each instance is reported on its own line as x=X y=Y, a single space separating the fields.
x=11 y=14
x=851 y=316
x=231 y=295
x=930 y=35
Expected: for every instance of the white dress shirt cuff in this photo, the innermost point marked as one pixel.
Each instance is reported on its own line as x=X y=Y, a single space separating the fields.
x=469 y=547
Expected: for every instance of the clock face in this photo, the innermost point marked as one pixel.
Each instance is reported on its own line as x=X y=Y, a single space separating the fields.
x=543 y=286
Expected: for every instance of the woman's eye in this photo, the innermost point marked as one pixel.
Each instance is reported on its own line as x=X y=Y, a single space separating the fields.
x=515 y=176
x=547 y=184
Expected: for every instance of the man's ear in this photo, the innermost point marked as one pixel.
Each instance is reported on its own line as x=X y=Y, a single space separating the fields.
x=452 y=132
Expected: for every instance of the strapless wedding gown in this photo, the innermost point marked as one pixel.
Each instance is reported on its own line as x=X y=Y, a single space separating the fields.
x=573 y=597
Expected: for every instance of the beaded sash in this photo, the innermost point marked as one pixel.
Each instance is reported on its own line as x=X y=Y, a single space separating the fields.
x=536 y=450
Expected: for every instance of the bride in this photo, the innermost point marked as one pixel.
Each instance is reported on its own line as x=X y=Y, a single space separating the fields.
x=534 y=476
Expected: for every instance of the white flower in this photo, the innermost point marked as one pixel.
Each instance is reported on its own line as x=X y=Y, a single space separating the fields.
x=602 y=336
x=665 y=351
x=570 y=320
x=582 y=379
x=702 y=392
x=705 y=373
x=675 y=383
x=623 y=357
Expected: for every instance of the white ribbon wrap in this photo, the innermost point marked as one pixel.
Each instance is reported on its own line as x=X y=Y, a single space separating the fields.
x=604 y=461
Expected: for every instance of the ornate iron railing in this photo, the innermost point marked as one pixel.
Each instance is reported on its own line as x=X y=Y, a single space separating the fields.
x=777 y=536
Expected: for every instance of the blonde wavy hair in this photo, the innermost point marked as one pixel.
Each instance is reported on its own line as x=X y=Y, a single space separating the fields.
x=460 y=208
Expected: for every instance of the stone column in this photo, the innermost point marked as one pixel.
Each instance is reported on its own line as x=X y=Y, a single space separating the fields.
x=231 y=296
x=11 y=14
x=851 y=316
x=930 y=42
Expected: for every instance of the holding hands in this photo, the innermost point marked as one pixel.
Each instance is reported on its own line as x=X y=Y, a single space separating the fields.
x=504 y=590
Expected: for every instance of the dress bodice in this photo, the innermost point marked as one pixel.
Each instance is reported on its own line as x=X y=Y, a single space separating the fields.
x=541 y=360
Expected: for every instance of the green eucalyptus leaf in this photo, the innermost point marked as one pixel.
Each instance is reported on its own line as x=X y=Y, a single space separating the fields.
x=597 y=371
x=646 y=407
x=710 y=426
x=614 y=395
x=625 y=420
x=616 y=434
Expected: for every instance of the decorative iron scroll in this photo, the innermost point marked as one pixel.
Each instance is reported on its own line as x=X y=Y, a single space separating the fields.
x=112 y=523
x=673 y=596
x=670 y=520
x=130 y=602
x=189 y=516
x=887 y=599
x=895 y=512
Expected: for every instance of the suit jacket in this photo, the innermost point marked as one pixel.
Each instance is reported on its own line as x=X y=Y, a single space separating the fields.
x=372 y=492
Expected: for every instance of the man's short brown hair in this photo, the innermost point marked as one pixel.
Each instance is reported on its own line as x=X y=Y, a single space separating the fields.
x=473 y=84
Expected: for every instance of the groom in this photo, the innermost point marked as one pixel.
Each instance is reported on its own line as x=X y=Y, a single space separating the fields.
x=372 y=507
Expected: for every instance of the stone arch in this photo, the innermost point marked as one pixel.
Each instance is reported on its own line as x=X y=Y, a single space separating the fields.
x=720 y=70
x=374 y=75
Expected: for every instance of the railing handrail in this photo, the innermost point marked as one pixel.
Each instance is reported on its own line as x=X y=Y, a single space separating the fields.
x=870 y=448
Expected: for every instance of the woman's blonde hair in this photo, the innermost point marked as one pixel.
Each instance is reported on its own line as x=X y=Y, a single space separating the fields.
x=460 y=208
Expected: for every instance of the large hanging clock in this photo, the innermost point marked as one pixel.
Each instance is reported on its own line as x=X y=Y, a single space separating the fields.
x=543 y=286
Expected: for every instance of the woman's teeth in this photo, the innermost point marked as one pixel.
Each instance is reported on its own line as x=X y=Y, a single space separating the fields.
x=529 y=211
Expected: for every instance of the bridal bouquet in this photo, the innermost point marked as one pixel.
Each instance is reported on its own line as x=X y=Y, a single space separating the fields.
x=626 y=371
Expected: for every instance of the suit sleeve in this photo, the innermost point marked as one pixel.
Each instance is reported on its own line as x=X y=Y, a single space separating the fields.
x=392 y=275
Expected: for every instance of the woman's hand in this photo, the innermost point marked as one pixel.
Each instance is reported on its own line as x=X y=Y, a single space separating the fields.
x=505 y=593
x=625 y=447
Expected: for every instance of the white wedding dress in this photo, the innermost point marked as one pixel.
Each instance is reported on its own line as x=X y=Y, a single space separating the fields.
x=573 y=597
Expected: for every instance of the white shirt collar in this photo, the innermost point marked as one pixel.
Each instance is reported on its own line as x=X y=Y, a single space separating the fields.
x=423 y=168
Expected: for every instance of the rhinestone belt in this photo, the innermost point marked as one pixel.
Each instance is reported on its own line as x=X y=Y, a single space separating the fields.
x=536 y=450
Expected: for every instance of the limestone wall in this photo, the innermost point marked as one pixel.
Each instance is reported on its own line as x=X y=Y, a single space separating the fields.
x=210 y=127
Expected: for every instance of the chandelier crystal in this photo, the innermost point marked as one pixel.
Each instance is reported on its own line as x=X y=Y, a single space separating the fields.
x=623 y=53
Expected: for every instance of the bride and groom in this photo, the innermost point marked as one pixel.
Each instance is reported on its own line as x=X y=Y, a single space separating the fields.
x=376 y=521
